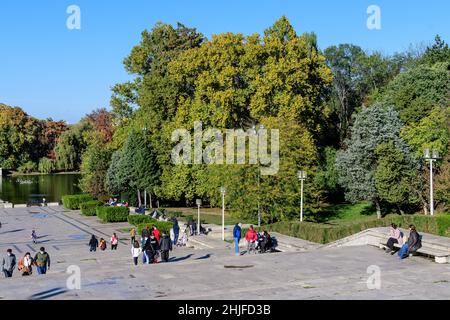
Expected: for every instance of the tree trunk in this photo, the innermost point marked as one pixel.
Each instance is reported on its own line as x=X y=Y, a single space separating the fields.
x=139 y=198
x=151 y=204
x=425 y=208
x=377 y=204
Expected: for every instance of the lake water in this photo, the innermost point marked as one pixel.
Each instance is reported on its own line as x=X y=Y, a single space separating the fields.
x=22 y=189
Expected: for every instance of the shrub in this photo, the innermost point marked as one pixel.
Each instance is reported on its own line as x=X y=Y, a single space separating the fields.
x=89 y=208
x=163 y=226
x=27 y=167
x=324 y=233
x=139 y=219
x=73 y=202
x=46 y=165
x=443 y=222
x=113 y=214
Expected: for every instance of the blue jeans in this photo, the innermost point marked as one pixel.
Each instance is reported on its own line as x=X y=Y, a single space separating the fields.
x=236 y=245
x=403 y=252
x=41 y=270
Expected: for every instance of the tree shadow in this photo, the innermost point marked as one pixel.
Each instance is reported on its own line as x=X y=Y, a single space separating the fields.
x=12 y=231
x=207 y=256
x=175 y=259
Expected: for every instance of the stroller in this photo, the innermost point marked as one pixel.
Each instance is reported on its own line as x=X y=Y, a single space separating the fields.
x=182 y=239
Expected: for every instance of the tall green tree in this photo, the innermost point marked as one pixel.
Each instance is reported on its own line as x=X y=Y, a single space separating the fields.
x=374 y=126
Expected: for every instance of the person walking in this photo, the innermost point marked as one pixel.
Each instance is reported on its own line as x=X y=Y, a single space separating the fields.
x=145 y=258
x=136 y=250
x=34 y=237
x=133 y=235
x=151 y=248
x=237 y=237
x=176 y=231
x=251 y=237
x=102 y=244
x=25 y=265
x=8 y=263
x=114 y=241
x=42 y=261
x=93 y=244
x=145 y=233
x=165 y=247
x=156 y=233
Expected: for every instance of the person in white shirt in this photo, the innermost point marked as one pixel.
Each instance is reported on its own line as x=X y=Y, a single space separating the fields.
x=136 y=251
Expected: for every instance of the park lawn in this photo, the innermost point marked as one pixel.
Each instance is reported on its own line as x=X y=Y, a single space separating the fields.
x=346 y=213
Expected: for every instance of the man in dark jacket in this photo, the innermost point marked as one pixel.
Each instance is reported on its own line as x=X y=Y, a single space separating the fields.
x=165 y=247
x=414 y=243
x=8 y=263
x=414 y=240
x=93 y=244
x=151 y=249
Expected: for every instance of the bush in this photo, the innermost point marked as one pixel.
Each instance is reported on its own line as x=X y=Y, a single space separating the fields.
x=322 y=233
x=443 y=222
x=73 y=202
x=89 y=208
x=113 y=214
x=139 y=219
x=27 y=167
x=163 y=226
x=46 y=165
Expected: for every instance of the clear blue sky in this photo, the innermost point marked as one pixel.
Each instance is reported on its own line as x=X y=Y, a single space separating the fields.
x=51 y=71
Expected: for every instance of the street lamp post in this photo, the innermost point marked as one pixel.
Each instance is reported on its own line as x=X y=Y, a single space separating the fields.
x=199 y=203
x=431 y=158
x=302 y=177
x=261 y=127
x=223 y=190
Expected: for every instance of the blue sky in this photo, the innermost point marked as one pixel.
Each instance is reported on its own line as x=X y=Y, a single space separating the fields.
x=51 y=71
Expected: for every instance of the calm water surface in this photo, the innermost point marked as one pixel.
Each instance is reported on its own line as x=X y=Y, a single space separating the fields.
x=21 y=189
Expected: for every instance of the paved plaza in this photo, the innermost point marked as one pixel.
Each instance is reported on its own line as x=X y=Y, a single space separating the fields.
x=206 y=269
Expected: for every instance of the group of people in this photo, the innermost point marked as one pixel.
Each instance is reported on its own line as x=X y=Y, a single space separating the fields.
x=154 y=243
x=41 y=261
x=94 y=243
x=113 y=202
x=256 y=242
x=409 y=245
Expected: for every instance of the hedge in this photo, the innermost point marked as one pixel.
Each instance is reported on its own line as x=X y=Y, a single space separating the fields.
x=113 y=214
x=73 y=202
x=163 y=226
x=326 y=233
x=136 y=219
x=89 y=208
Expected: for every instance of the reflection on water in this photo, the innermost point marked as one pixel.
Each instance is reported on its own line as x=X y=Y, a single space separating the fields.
x=22 y=189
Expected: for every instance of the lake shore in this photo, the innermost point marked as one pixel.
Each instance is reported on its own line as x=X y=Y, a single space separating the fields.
x=18 y=174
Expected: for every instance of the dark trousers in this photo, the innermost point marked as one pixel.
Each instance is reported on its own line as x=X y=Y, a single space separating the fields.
x=135 y=260
x=114 y=247
x=93 y=248
x=8 y=274
x=165 y=256
x=390 y=243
